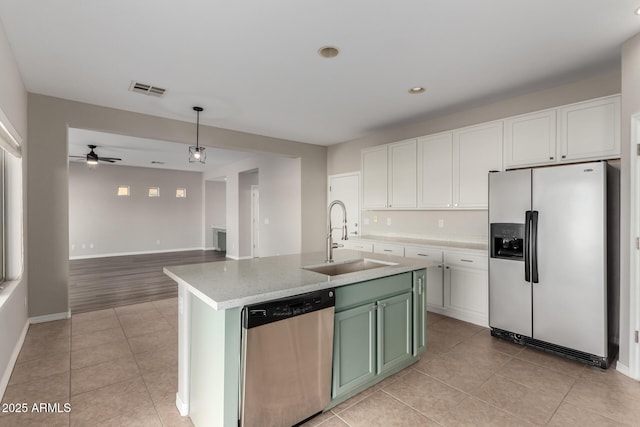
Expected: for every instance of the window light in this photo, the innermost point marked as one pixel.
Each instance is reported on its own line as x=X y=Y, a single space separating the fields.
x=181 y=193
x=123 y=191
x=154 y=192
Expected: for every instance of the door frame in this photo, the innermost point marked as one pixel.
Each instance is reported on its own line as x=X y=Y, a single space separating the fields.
x=634 y=259
x=255 y=220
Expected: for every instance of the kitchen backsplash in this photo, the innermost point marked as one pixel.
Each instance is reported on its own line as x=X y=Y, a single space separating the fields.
x=467 y=226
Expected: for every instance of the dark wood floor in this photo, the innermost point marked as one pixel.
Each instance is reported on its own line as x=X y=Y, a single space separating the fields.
x=98 y=283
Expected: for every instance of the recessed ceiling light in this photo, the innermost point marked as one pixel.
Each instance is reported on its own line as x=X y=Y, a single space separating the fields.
x=328 y=52
x=416 y=90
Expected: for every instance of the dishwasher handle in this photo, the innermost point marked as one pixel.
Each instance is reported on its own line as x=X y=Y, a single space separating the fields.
x=273 y=311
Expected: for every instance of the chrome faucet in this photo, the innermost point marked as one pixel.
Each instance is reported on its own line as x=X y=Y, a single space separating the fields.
x=330 y=245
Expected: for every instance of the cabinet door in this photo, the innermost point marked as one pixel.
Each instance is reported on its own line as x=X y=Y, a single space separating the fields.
x=466 y=291
x=402 y=174
x=530 y=140
x=435 y=286
x=590 y=130
x=435 y=171
x=419 y=312
x=354 y=348
x=476 y=150
x=374 y=178
x=394 y=331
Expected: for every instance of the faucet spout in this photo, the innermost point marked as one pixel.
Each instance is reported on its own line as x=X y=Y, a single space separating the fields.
x=330 y=245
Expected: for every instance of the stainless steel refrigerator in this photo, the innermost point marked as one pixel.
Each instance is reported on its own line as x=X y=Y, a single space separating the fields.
x=553 y=266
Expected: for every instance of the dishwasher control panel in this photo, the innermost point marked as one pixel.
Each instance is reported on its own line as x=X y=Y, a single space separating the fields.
x=272 y=311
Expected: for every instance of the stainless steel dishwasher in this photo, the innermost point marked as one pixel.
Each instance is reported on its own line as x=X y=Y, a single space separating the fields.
x=287 y=349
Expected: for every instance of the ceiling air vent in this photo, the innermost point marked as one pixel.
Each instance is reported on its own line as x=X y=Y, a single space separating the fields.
x=146 y=89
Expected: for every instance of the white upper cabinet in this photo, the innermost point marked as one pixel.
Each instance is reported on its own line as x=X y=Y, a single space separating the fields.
x=530 y=139
x=374 y=177
x=476 y=151
x=590 y=130
x=435 y=171
x=402 y=174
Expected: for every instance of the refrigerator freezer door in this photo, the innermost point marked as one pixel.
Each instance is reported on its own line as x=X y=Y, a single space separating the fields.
x=509 y=292
x=569 y=302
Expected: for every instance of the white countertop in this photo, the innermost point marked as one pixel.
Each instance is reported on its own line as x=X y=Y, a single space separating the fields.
x=229 y=284
x=481 y=248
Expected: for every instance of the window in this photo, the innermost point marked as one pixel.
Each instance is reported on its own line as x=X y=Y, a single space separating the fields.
x=181 y=193
x=123 y=191
x=11 y=202
x=154 y=192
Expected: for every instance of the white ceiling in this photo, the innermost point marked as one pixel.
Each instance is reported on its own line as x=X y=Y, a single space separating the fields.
x=141 y=152
x=253 y=64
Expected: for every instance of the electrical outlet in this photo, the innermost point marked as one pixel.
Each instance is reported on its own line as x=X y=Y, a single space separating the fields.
x=375 y=219
x=84 y=246
x=388 y=221
x=266 y=221
x=441 y=223
x=73 y=246
x=91 y=245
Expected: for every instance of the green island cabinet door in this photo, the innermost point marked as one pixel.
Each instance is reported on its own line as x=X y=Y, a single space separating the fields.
x=354 y=347
x=395 y=337
x=419 y=312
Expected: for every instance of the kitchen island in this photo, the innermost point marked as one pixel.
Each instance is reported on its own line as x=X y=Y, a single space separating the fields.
x=211 y=297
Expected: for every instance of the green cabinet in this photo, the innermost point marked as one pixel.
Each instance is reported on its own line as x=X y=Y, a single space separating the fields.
x=419 y=312
x=379 y=329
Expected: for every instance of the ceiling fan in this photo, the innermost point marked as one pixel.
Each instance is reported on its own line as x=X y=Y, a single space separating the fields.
x=93 y=159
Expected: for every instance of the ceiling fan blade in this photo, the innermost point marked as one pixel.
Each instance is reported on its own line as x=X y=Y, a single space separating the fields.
x=109 y=158
x=106 y=160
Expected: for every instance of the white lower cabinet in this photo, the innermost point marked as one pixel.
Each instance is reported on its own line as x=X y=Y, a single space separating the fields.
x=356 y=245
x=388 y=249
x=435 y=284
x=466 y=287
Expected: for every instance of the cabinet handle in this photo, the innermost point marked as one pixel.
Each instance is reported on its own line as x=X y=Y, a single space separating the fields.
x=422 y=255
x=448 y=205
x=447 y=267
x=388 y=250
x=383 y=305
x=389 y=205
x=550 y=158
x=439 y=265
x=419 y=285
x=466 y=260
x=374 y=308
x=564 y=157
x=456 y=205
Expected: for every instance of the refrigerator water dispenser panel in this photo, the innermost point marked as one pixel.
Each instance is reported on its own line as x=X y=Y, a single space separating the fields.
x=507 y=241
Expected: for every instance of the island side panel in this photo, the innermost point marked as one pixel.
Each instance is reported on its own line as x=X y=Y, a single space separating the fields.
x=215 y=365
x=184 y=349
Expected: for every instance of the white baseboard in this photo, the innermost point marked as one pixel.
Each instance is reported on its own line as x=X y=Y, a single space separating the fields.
x=50 y=317
x=237 y=258
x=623 y=369
x=71 y=258
x=12 y=360
x=183 y=408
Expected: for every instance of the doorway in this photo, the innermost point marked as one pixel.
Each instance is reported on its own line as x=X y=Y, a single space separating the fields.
x=346 y=188
x=255 y=221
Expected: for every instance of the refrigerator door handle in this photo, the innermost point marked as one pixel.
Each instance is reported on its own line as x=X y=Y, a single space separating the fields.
x=527 y=255
x=534 y=246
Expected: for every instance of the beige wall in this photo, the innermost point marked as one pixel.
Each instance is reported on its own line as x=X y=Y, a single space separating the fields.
x=47 y=181
x=630 y=106
x=13 y=312
x=345 y=157
x=215 y=212
x=102 y=223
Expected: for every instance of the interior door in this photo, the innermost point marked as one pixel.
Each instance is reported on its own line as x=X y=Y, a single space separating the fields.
x=509 y=292
x=345 y=187
x=569 y=302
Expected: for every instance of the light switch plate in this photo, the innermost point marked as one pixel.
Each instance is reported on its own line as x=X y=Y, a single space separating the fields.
x=388 y=221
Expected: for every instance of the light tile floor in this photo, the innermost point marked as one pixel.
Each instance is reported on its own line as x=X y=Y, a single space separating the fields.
x=118 y=367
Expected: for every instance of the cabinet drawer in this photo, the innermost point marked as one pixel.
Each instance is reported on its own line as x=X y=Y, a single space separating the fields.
x=357 y=246
x=372 y=290
x=460 y=259
x=427 y=254
x=388 y=249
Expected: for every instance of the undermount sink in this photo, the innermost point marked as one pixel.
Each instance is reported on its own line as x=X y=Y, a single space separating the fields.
x=345 y=267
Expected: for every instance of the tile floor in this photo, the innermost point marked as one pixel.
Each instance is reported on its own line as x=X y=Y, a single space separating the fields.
x=118 y=367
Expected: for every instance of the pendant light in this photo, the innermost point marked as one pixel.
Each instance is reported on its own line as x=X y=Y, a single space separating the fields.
x=197 y=153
